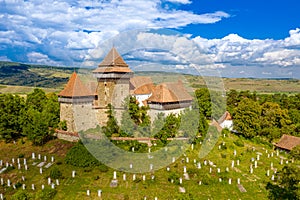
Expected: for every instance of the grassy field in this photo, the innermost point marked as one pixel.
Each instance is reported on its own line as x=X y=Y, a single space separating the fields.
x=93 y=179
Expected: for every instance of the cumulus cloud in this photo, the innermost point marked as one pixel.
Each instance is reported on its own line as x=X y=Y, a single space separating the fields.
x=68 y=29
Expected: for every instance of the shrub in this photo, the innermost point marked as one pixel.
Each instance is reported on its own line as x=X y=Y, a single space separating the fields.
x=239 y=143
x=21 y=155
x=103 y=168
x=20 y=195
x=46 y=194
x=55 y=173
x=79 y=156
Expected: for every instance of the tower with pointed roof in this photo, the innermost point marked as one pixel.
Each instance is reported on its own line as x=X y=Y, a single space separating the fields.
x=113 y=76
x=76 y=105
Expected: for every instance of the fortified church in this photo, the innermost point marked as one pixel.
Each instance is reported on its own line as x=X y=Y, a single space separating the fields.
x=83 y=106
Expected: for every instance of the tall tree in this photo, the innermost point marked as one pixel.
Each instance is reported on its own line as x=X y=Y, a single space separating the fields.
x=111 y=125
x=11 y=109
x=247 y=118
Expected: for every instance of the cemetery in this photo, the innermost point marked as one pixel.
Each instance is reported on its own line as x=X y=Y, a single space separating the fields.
x=228 y=171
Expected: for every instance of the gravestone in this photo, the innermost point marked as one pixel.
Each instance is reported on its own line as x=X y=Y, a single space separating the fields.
x=184 y=169
x=124 y=177
x=173 y=159
x=200 y=182
x=19 y=166
x=49 y=180
x=32 y=187
x=218 y=170
x=45 y=158
x=2 y=181
x=23 y=178
x=41 y=170
x=43 y=187
x=130 y=166
x=52 y=158
x=232 y=164
x=151 y=167
x=26 y=167
x=144 y=177
x=99 y=193
x=53 y=186
x=199 y=165
x=238 y=162
x=168 y=169
x=114 y=183
x=13 y=160
x=238 y=181
x=23 y=186
x=115 y=175
x=229 y=181
x=220 y=180
x=187 y=160
x=180 y=180
x=88 y=193
x=133 y=177
x=73 y=174
x=268 y=172
x=181 y=189
x=33 y=156
x=57 y=182
x=255 y=164
x=8 y=182
x=25 y=161
x=39 y=156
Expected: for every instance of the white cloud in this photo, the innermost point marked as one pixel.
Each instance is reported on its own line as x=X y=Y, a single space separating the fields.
x=180 y=1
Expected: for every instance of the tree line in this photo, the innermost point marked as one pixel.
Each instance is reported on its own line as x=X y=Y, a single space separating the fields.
x=34 y=117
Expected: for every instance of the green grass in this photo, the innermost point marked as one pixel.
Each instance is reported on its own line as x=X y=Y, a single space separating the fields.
x=93 y=179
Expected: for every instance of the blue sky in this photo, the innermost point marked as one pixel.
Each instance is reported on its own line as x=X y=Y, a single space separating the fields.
x=237 y=37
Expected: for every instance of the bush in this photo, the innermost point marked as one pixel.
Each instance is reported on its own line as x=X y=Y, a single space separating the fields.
x=20 y=195
x=103 y=168
x=79 y=156
x=239 y=143
x=21 y=155
x=55 y=173
x=46 y=194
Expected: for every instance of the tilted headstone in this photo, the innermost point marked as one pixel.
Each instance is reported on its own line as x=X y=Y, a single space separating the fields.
x=173 y=159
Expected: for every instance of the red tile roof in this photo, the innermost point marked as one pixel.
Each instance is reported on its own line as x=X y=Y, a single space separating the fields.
x=288 y=142
x=170 y=92
x=113 y=62
x=75 y=88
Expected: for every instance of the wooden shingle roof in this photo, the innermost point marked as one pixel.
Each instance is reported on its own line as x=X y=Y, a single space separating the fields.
x=112 y=62
x=225 y=116
x=75 y=88
x=288 y=142
x=170 y=92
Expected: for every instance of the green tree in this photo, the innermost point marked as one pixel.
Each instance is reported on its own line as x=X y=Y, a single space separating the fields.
x=11 y=111
x=247 y=118
x=204 y=101
x=36 y=127
x=286 y=184
x=295 y=153
x=274 y=120
x=36 y=99
x=20 y=195
x=111 y=125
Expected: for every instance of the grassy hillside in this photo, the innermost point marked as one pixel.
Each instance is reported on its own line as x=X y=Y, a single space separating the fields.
x=94 y=179
x=33 y=75
x=54 y=78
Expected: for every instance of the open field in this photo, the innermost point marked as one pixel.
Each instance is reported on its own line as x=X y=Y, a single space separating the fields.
x=93 y=179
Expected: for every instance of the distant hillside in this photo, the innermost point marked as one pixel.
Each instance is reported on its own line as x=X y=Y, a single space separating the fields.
x=17 y=74
x=33 y=75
